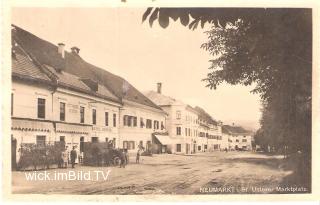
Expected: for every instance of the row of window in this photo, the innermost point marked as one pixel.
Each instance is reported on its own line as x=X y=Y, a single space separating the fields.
x=215 y=137
x=188 y=118
x=243 y=140
x=188 y=132
x=131 y=121
x=41 y=112
x=131 y=145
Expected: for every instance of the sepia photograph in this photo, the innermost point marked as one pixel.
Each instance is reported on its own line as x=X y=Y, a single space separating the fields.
x=161 y=100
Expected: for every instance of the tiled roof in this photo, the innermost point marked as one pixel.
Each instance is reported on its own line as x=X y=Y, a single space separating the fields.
x=23 y=66
x=47 y=53
x=73 y=81
x=234 y=129
x=205 y=116
x=161 y=100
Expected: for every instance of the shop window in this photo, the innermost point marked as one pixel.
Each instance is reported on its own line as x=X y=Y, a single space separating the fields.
x=199 y=148
x=41 y=140
x=62 y=111
x=94 y=139
x=41 y=108
x=178 y=147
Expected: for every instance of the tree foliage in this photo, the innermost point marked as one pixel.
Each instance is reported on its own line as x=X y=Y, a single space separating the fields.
x=271 y=48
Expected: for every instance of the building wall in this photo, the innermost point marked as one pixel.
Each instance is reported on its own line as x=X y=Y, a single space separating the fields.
x=180 y=116
x=25 y=100
x=74 y=100
x=131 y=134
x=240 y=141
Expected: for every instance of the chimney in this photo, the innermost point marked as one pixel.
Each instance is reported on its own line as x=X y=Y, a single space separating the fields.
x=61 y=49
x=75 y=50
x=159 y=85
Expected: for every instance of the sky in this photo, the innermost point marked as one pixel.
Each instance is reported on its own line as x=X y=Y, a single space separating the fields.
x=115 y=39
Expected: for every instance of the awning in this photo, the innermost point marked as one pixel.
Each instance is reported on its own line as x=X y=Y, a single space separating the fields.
x=31 y=125
x=167 y=140
x=73 y=129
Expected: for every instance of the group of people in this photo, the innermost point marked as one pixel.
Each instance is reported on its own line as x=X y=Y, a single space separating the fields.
x=65 y=154
x=124 y=157
x=64 y=157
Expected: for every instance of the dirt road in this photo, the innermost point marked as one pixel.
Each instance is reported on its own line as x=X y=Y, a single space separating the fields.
x=206 y=173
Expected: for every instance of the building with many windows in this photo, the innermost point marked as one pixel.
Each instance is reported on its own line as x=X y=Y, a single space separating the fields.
x=190 y=129
x=238 y=137
x=57 y=96
x=210 y=132
x=181 y=123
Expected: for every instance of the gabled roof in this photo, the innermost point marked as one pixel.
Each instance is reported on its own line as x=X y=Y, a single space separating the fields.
x=234 y=130
x=162 y=100
x=47 y=54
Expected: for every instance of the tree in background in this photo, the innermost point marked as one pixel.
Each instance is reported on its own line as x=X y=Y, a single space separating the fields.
x=271 y=48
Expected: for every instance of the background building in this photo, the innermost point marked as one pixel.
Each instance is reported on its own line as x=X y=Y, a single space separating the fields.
x=238 y=137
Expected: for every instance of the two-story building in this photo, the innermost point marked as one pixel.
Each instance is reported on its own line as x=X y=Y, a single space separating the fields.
x=238 y=137
x=57 y=96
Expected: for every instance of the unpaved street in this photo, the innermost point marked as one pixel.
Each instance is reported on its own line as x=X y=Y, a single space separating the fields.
x=171 y=174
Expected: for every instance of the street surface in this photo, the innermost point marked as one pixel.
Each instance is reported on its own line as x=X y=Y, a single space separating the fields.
x=204 y=173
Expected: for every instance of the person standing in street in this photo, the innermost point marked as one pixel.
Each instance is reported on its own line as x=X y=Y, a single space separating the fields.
x=127 y=156
x=73 y=156
x=138 y=157
x=122 y=159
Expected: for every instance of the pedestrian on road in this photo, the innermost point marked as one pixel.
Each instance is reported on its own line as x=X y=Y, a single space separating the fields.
x=138 y=157
x=122 y=159
x=73 y=156
x=127 y=156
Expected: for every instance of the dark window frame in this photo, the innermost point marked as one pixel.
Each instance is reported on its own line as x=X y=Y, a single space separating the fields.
x=106 y=119
x=114 y=120
x=62 y=111
x=94 y=116
x=82 y=113
x=41 y=108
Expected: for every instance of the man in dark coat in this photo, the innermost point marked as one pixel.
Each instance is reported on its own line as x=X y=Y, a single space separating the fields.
x=73 y=156
x=122 y=159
